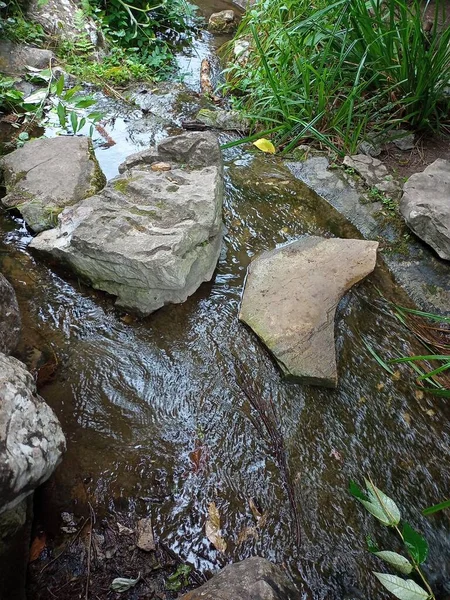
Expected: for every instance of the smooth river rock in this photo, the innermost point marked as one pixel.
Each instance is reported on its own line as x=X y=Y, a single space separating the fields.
x=46 y=175
x=31 y=439
x=373 y=172
x=151 y=237
x=9 y=317
x=290 y=299
x=251 y=579
x=425 y=206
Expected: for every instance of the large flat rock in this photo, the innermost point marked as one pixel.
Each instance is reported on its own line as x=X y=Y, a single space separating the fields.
x=425 y=206
x=251 y=579
x=31 y=439
x=154 y=234
x=290 y=299
x=46 y=175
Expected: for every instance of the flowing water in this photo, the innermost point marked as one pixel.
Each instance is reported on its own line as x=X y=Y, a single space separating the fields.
x=157 y=423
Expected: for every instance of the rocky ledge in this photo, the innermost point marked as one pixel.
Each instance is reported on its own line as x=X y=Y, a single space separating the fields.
x=154 y=234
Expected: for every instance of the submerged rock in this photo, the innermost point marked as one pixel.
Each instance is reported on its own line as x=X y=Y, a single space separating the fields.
x=15 y=58
x=46 y=175
x=31 y=439
x=253 y=578
x=9 y=317
x=373 y=172
x=15 y=534
x=290 y=299
x=222 y=22
x=223 y=119
x=150 y=237
x=425 y=206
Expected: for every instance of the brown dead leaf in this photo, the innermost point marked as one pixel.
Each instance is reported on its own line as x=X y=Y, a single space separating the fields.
x=37 y=546
x=246 y=533
x=336 y=455
x=260 y=517
x=144 y=530
x=407 y=417
x=123 y=530
x=212 y=528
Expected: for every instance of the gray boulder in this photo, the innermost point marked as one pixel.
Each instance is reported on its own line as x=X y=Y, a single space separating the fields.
x=31 y=440
x=64 y=19
x=151 y=237
x=15 y=58
x=222 y=22
x=425 y=206
x=290 y=299
x=46 y=175
x=223 y=119
x=251 y=579
x=373 y=172
x=9 y=317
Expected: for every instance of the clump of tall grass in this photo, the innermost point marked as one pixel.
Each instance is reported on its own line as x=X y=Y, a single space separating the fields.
x=338 y=72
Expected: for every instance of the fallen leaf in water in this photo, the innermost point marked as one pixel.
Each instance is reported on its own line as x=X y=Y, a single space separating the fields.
x=335 y=454
x=407 y=418
x=430 y=412
x=123 y=530
x=122 y=584
x=255 y=510
x=246 y=533
x=37 y=546
x=419 y=394
x=197 y=457
x=145 y=540
x=380 y=386
x=396 y=375
x=265 y=146
x=212 y=528
x=260 y=517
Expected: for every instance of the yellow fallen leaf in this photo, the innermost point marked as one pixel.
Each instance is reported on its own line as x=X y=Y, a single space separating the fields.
x=265 y=145
x=212 y=528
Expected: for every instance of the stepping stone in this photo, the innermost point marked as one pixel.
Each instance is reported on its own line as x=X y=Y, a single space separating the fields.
x=290 y=299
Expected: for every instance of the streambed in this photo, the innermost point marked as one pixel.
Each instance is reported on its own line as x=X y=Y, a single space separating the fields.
x=157 y=423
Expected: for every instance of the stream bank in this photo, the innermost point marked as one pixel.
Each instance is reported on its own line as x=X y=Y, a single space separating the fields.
x=158 y=424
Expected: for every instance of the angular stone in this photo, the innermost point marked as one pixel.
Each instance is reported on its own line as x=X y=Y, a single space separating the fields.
x=222 y=22
x=290 y=299
x=425 y=206
x=31 y=439
x=46 y=175
x=15 y=58
x=144 y=530
x=150 y=237
x=253 y=579
x=9 y=317
x=373 y=172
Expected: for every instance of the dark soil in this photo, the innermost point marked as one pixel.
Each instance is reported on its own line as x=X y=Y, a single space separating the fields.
x=402 y=164
x=97 y=549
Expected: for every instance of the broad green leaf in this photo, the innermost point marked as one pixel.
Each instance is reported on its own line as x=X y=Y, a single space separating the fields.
x=377 y=511
x=371 y=544
x=74 y=121
x=415 y=542
x=61 y=111
x=83 y=102
x=82 y=123
x=60 y=85
x=430 y=510
x=23 y=136
x=398 y=561
x=356 y=491
x=381 y=501
x=36 y=98
x=404 y=589
x=265 y=146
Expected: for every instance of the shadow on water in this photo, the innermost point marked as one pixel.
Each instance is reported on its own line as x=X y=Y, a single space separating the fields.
x=138 y=398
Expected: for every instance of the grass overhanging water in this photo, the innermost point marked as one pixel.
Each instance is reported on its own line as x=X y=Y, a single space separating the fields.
x=340 y=73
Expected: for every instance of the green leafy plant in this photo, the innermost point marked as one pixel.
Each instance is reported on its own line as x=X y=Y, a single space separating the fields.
x=383 y=508
x=179 y=579
x=15 y=27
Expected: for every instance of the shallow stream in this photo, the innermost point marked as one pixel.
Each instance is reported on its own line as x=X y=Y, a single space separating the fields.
x=157 y=423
